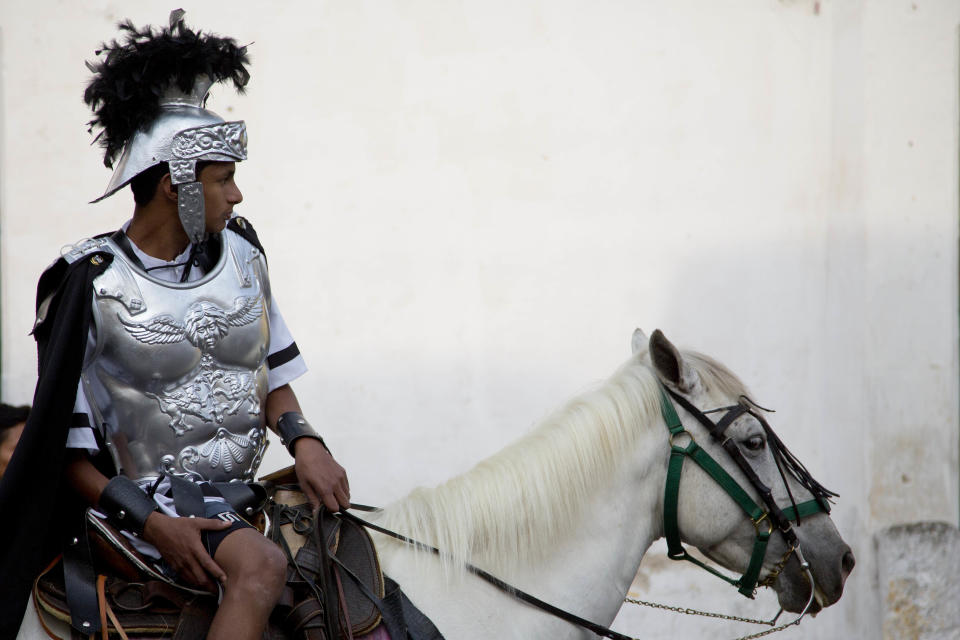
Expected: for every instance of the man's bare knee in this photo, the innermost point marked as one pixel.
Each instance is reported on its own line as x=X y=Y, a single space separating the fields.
x=254 y=565
x=270 y=566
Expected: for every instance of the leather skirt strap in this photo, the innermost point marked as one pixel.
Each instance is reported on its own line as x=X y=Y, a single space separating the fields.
x=187 y=497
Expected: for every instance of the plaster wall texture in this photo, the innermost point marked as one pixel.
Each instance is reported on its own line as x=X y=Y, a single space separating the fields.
x=918 y=567
x=468 y=207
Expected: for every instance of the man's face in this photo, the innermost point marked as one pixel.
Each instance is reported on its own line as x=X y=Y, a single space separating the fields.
x=8 y=442
x=220 y=194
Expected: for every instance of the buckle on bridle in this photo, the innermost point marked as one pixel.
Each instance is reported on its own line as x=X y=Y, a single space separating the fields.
x=682 y=433
x=761 y=519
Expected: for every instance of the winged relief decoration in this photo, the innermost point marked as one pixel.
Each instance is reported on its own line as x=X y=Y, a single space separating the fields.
x=203 y=325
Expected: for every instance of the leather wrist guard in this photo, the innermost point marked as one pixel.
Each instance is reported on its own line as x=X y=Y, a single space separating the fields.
x=126 y=505
x=292 y=426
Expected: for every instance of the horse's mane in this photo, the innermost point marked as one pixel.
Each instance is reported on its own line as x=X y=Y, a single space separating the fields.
x=507 y=505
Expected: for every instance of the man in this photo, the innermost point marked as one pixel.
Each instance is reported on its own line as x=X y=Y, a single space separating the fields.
x=12 y=420
x=164 y=339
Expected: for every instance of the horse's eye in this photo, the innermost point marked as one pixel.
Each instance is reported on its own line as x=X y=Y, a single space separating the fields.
x=755 y=443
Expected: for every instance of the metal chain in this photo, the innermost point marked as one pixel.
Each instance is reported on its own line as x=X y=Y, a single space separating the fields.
x=767 y=632
x=695 y=612
x=723 y=616
x=778 y=568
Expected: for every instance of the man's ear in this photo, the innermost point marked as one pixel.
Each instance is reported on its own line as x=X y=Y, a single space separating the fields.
x=670 y=365
x=166 y=189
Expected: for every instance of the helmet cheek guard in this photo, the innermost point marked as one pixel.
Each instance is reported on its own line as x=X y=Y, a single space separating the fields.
x=224 y=142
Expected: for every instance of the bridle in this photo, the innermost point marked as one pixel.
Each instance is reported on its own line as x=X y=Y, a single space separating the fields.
x=767 y=518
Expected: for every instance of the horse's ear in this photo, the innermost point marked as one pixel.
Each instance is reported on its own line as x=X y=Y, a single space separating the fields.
x=670 y=365
x=638 y=342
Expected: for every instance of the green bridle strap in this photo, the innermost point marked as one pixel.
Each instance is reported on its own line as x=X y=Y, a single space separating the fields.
x=755 y=512
x=804 y=509
x=748 y=582
x=675 y=551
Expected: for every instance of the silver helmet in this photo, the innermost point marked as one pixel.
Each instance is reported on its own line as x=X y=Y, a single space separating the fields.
x=148 y=96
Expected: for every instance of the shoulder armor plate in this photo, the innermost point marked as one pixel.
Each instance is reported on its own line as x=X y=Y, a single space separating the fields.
x=73 y=252
x=117 y=282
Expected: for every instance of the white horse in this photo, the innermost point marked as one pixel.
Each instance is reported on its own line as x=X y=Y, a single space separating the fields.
x=567 y=512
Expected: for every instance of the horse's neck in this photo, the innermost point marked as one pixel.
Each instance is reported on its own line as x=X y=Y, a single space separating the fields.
x=591 y=569
x=588 y=568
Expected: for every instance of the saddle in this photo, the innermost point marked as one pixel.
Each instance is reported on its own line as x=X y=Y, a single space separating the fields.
x=135 y=598
x=334 y=582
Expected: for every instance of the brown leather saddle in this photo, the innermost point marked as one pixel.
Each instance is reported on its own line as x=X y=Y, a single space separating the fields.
x=133 y=594
x=136 y=599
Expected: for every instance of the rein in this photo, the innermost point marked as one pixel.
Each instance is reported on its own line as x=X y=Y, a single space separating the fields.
x=507 y=588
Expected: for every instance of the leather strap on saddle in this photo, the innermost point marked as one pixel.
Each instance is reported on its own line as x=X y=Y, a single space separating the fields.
x=334 y=586
x=146 y=608
x=79 y=580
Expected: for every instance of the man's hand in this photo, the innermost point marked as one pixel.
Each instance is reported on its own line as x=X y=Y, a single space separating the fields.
x=321 y=478
x=178 y=541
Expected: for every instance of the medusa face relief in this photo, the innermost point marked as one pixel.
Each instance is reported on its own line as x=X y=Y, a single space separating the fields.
x=205 y=324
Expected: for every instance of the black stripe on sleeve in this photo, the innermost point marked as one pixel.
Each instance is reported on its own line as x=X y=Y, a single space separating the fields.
x=283 y=356
x=79 y=421
x=98 y=437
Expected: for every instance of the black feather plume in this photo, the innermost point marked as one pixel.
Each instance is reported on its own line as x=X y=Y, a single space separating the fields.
x=135 y=70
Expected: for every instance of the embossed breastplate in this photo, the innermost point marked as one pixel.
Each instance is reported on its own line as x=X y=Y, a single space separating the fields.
x=178 y=376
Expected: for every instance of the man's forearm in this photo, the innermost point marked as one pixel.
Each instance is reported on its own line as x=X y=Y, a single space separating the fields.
x=280 y=401
x=85 y=479
x=284 y=417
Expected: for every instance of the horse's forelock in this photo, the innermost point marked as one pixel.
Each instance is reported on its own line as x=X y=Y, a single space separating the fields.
x=715 y=375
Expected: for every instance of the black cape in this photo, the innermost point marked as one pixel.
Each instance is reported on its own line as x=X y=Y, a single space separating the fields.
x=37 y=512
x=33 y=503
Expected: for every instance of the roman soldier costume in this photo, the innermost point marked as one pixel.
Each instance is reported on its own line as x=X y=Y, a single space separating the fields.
x=159 y=371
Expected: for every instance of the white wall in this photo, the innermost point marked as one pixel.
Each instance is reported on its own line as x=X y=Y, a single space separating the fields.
x=468 y=207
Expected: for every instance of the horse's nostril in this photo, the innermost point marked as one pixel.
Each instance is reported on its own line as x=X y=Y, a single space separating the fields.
x=847 y=563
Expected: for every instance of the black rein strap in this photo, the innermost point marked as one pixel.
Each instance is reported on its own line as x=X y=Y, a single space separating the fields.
x=598 y=629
